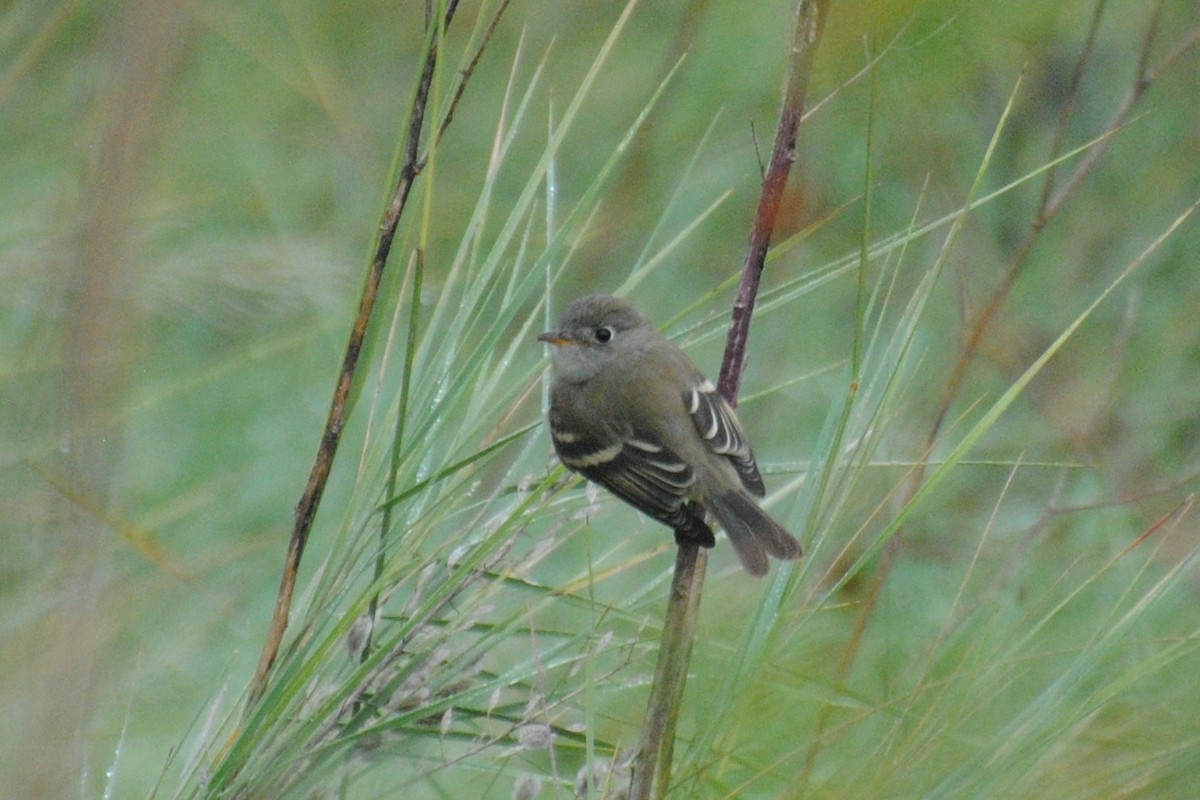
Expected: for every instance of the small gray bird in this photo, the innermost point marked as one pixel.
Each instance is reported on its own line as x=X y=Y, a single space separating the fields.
x=630 y=411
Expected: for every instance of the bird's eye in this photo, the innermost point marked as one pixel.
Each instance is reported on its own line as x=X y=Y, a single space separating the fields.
x=603 y=335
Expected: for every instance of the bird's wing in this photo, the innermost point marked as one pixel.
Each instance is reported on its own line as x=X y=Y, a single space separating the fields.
x=639 y=470
x=718 y=426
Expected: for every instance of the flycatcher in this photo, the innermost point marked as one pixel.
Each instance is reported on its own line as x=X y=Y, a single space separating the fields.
x=630 y=411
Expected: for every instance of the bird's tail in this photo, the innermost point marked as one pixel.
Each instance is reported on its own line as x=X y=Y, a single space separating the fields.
x=752 y=532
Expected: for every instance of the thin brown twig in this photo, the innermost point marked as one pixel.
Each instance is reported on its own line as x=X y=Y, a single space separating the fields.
x=1068 y=107
x=464 y=76
x=810 y=20
x=306 y=508
x=652 y=773
x=1122 y=500
x=1176 y=513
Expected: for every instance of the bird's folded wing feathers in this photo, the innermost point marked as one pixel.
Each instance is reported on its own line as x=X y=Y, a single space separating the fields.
x=718 y=426
x=642 y=472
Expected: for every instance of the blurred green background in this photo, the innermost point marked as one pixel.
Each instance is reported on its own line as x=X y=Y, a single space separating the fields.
x=191 y=189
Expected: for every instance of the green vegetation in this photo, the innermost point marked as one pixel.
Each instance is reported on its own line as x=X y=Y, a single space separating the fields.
x=974 y=399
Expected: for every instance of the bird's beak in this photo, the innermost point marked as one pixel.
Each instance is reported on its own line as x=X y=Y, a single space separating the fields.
x=553 y=337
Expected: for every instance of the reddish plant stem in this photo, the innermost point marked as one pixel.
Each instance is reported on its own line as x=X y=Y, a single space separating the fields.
x=652 y=772
x=810 y=21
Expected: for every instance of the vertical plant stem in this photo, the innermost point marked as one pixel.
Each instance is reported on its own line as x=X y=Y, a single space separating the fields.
x=806 y=34
x=652 y=772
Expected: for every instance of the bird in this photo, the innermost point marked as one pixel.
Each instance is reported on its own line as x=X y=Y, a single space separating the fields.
x=629 y=410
